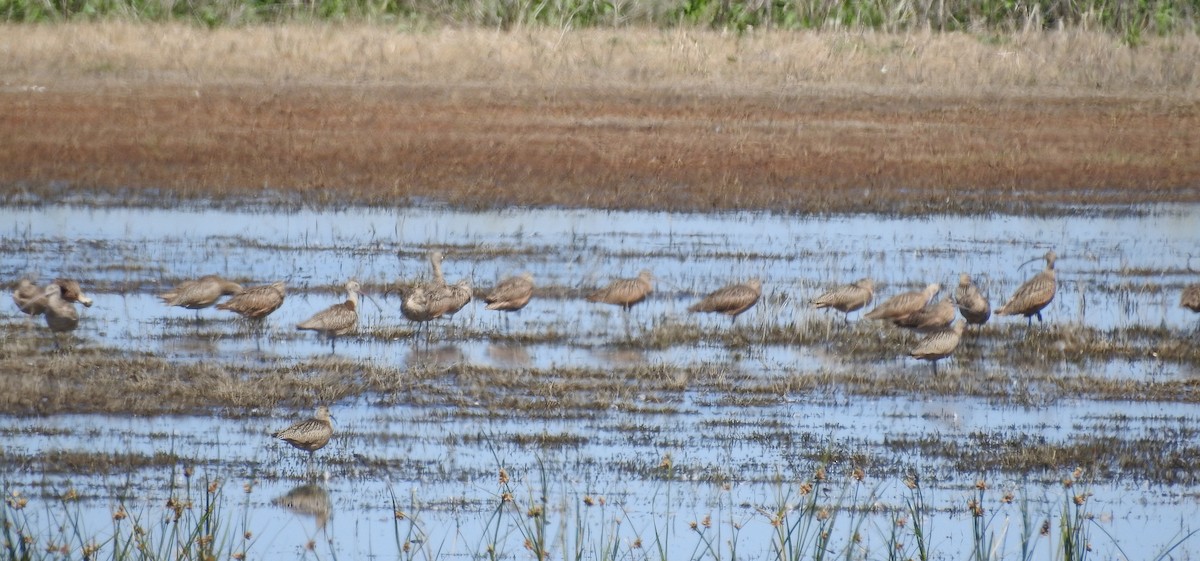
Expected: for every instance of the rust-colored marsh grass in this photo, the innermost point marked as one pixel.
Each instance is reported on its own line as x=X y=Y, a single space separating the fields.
x=631 y=118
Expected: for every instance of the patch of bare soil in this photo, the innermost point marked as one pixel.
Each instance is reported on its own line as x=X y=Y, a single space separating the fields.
x=81 y=128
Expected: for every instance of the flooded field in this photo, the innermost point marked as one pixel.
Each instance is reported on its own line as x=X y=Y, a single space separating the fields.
x=628 y=430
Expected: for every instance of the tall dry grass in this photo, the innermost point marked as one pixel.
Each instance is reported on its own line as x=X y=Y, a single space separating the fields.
x=1070 y=62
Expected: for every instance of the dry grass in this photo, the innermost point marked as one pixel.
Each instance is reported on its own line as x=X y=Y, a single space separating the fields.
x=677 y=120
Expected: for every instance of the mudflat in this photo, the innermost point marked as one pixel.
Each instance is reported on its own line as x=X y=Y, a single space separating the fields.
x=668 y=120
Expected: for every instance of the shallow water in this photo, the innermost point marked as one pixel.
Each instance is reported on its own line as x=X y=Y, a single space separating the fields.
x=1115 y=273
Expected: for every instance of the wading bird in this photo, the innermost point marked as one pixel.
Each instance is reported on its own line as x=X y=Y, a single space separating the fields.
x=310 y=435
x=57 y=306
x=847 y=298
x=511 y=295
x=939 y=344
x=972 y=304
x=200 y=293
x=625 y=292
x=1190 y=298
x=730 y=300
x=904 y=304
x=256 y=302
x=931 y=317
x=336 y=320
x=1035 y=294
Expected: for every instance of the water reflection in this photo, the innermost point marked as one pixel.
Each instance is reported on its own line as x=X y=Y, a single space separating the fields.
x=310 y=499
x=509 y=354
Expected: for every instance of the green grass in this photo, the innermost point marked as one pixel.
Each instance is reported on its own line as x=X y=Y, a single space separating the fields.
x=1132 y=20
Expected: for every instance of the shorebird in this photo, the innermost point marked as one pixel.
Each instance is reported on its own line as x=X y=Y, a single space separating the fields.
x=256 y=302
x=27 y=298
x=200 y=293
x=939 y=344
x=972 y=304
x=847 y=298
x=444 y=299
x=931 y=317
x=57 y=305
x=625 y=292
x=1035 y=294
x=730 y=300
x=32 y=300
x=1190 y=298
x=511 y=294
x=336 y=320
x=310 y=435
x=447 y=300
x=902 y=305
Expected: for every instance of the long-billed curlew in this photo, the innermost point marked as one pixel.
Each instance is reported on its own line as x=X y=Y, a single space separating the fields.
x=33 y=300
x=847 y=298
x=28 y=297
x=939 y=344
x=310 y=435
x=511 y=294
x=1190 y=298
x=972 y=304
x=57 y=304
x=625 y=292
x=447 y=300
x=200 y=293
x=931 y=317
x=1035 y=294
x=256 y=302
x=730 y=300
x=903 y=304
x=336 y=320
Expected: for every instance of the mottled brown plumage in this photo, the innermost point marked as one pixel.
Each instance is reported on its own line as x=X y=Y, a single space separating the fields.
x=447 y=300
x=847 y=298
x=60 y=313
x=903 y=304
x=336 y=320
x=932 y=317
x=939 y=344
x=415 y=305
x=511 y=294
x=256 y=302
x=1190 y=298
x=310 y=435
x=1034 y=295
x=28 y=297
x=625 y=292
x=730 y=300
x=33 y=300
x=972 y=304
x=200 y=293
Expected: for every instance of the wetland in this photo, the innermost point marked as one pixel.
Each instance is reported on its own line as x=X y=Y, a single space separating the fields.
x=134 y=157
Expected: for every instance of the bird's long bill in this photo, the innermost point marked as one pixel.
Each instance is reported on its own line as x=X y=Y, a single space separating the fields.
x=85 y=301
x=372 y=299
x=1030 y=261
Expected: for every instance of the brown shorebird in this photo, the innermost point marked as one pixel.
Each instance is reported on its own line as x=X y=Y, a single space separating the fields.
x=57 y=306
x=902 y=305
x=1035 y=294
x=1190 y=298
x=28 y=299
x=625 y=292
x=336 y=320
x=730 y=300
x=200 y=293
x=32 y=300
x=847 y=298
x=310 y=435
x=447 y=300
x=939 y=344
x=972 y=304
x=511 y=294
x=932 y=317
x=256 y=302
